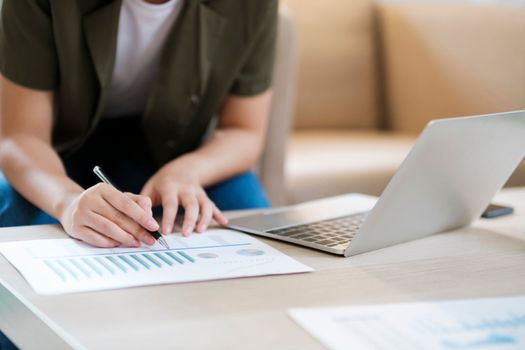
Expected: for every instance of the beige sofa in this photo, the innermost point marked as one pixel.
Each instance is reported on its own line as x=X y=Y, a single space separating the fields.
x=372 y=74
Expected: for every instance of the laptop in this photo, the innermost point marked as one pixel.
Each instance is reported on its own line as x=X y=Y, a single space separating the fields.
x=447 y=180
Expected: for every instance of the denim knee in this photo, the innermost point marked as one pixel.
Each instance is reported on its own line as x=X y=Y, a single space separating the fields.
x=240 y=192
x=15 y=210
x=4 y=194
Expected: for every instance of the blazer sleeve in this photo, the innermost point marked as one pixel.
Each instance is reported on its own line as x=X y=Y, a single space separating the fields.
x=255 y=75
x=27 y=46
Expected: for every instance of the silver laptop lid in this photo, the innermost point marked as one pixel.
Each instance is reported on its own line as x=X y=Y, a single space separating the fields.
x=453 y=171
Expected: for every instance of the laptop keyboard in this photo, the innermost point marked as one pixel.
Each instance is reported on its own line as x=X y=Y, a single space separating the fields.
x=330 y=233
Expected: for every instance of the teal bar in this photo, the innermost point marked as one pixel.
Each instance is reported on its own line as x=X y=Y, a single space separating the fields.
x=147 y=256
x=67 y=268
x=175 y=257
x=93 y=267
x=140 y=261
x=81 y=268
x=189 y=258
x=55 y=270
x=117 y=263
x=129 y=262
x=163 y=258
x=106 y=266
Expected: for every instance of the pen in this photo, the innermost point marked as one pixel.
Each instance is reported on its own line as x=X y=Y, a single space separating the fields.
x=156 y=234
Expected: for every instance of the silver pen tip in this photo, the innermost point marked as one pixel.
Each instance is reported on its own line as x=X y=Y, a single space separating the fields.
x=163 y=242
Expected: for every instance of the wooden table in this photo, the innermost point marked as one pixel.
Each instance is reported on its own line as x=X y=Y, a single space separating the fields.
x=485 y=260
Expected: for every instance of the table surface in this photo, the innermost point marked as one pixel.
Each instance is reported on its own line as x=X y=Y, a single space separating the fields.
x=484 y=260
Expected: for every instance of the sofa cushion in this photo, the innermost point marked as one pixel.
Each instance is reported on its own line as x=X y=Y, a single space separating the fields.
x=337 y=77
x=329 y=162
x=453 y=58
x=326 y=163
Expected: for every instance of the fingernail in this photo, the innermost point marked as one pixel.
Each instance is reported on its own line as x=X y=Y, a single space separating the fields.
x=187 y=229
x=150 y=240
x=167 y=229
x=153 y=225
x=202 y=228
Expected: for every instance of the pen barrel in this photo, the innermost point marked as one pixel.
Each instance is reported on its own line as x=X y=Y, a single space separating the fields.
x=155 y=234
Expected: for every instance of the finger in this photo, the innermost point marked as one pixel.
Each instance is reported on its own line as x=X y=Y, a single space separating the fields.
x=149 y=191
x=206 y=214
x=143 y=201
x=126 y=223
x=219 y=216
x=170 y=206
x=127 y=206
x=94 y=238
x=191 y=212
x=108 y=228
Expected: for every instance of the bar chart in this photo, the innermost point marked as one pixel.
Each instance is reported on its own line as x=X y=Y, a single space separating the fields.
x=64 y=265
x=89 y=266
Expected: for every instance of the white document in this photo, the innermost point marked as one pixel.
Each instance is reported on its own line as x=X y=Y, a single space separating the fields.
x=57 y=266
x=484 y=324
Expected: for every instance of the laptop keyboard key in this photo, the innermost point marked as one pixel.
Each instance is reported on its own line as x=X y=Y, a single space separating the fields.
x=330 y=233
x=300 y=236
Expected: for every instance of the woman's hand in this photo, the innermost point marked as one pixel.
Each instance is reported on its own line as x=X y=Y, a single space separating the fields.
x=172 y=186
x=105 y=217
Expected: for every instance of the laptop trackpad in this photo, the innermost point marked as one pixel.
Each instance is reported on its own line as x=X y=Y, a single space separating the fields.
x=265 y=222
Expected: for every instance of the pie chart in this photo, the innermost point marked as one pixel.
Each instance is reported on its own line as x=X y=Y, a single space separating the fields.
x=250 y=252
x=207 y=255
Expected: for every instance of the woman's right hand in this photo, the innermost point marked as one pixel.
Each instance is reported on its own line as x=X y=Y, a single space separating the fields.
x=105 y=217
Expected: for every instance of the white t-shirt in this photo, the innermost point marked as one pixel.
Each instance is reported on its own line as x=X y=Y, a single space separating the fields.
x=143 y=30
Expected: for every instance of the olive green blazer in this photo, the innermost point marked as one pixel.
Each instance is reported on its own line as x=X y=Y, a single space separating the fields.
x=216 y=48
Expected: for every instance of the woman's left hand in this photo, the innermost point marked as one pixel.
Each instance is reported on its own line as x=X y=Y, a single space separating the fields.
x=172 y=186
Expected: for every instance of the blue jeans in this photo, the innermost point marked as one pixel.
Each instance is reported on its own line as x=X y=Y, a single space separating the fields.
x=5 y=343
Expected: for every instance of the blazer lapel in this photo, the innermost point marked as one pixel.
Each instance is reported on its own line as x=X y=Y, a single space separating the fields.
x=186 y=60
x=101 y=28
x=183 y=75
x=174 y=80
x=211 y=27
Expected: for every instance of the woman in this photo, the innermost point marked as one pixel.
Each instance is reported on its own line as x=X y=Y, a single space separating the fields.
x=132 y=85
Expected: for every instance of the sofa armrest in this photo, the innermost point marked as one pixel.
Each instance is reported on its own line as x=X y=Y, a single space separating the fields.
x=271 y=165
